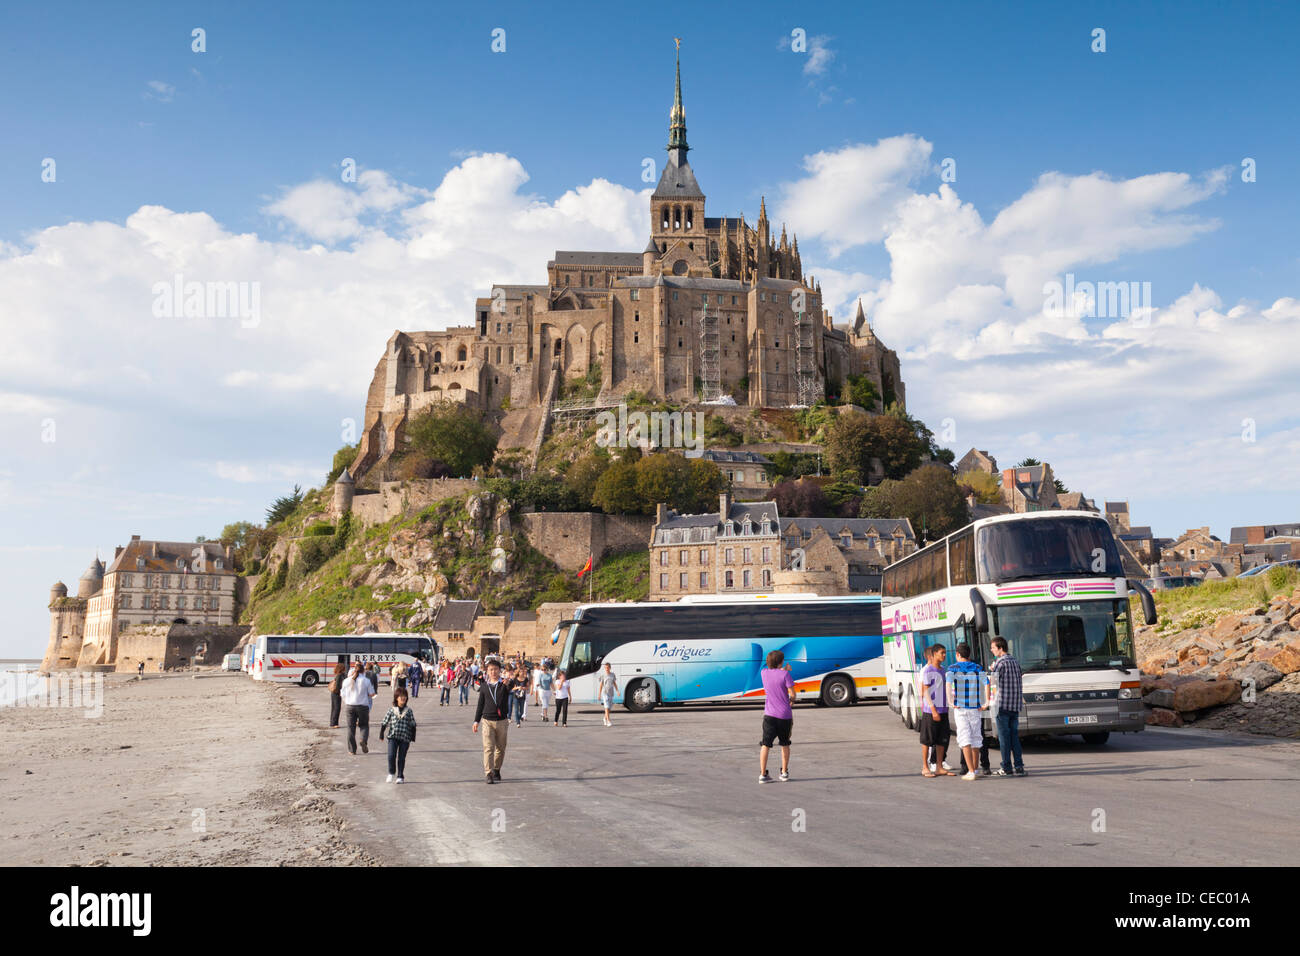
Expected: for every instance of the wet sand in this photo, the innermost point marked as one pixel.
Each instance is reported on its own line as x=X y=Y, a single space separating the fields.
x=176 y=770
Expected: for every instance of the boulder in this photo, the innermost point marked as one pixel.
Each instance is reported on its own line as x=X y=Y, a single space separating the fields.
x=1264 y=675
x=1294 y=622
x=1225 y=625
x=1287 y=660
x=1199 y=694
x=1164 y=697
x=1264 y=652
x=1162 y=717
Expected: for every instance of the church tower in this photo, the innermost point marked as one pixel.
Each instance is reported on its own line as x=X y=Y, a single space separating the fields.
x=677 y=204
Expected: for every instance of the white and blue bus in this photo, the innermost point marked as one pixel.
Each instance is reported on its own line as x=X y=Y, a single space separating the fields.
x=1051 y=584
x=711 y=649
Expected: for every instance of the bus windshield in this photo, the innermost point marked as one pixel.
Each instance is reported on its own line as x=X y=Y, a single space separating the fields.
x=1046 y=547
x=1047 y=637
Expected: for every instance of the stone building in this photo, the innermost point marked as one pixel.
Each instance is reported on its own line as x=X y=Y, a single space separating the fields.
x=711 y=305
x=1029 y=488
x=866 y=547
x=453 y=628
x=732 y=551
x=747 y=471
x=148 y=582
x=977 y=460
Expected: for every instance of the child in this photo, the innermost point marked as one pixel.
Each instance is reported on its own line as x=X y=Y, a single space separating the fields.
x=400 y=724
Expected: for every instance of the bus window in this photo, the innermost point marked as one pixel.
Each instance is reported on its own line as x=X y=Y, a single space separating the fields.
x=308 y=645
x=580 y=662
x=333 y=645
x=961 y=557
x=408 y=645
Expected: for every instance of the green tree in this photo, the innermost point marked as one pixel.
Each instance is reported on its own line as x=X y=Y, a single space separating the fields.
x=1028 y=463
x=930 y=499
x=615 y=491
x=981 y=484
x=342 y=458
x=284 y=506
x=453 y=434
x=583 y=474
x=862 y=391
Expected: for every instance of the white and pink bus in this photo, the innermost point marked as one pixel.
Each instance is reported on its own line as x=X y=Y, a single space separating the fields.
x=309 y=659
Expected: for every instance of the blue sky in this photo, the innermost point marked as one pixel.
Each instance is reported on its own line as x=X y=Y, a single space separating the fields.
x=227 y=161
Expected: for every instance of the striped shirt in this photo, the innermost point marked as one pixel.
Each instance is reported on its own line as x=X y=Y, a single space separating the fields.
x=1010 y=684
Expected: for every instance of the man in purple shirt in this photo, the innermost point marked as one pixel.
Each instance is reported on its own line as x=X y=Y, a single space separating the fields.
x=778 y=718
x=935 y=731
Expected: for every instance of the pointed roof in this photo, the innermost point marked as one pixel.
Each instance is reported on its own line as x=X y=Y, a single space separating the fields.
x=860 y=319
x=650 y=247
x=678 y=180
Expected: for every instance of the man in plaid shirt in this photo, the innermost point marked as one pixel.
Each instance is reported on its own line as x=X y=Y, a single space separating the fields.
x=1009 y=699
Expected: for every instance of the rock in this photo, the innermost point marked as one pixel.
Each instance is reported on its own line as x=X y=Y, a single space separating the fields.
x=1226 y=625
x=1199 y=694
x=1294 y=622
x=1287 y=660
x=1164 y=697
x=1265 y=652
x=1264 y=675
x=1161 y=717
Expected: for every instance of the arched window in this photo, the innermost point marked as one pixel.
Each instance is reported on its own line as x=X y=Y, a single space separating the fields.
x=461 y=354
x=437 y=358
x=690 y=216
x=559 y=345
x=677 y=217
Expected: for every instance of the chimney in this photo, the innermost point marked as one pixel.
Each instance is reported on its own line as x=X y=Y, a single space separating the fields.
x=724 y=505
x=153 y=549
x=661 y=513
x=230 y=554
x=135 y=537
x=117 y=551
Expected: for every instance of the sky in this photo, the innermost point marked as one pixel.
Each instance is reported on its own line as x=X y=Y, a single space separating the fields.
x=966 y=173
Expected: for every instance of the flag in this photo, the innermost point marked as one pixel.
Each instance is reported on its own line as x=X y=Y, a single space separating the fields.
x=586 y=567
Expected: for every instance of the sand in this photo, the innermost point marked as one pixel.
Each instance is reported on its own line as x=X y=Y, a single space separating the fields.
x=177 y=770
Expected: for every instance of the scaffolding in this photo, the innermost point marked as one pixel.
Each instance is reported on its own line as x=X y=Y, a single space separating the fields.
x=710 y=369
x=809 y=382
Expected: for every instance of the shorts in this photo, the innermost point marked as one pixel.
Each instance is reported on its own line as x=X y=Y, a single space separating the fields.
x=607 y=700
x=776 y=729
x=935 y=733
x=970 y=727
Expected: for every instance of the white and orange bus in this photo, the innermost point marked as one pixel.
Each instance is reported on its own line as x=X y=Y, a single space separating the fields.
x=309 y=659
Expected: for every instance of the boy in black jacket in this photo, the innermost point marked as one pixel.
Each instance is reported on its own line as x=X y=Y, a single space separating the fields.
x=493 y=712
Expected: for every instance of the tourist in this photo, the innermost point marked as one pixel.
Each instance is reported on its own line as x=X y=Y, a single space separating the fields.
x=493 y=711
x=968 y=690
x=606 y=688
x=397 y=676
x=537 y=689
x=357 y=695
x=400 y=724
x=520 y=693
x=561 y=699
x=372 y=674
x=545 y=684
x=140 y=670
x=415 y=675
x=778 y=716
x=935 y=731
x=1007 y=701
x=462 y=681
x=336 y=694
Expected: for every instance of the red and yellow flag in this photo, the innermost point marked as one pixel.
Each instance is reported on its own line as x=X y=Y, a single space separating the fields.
x=586 y=567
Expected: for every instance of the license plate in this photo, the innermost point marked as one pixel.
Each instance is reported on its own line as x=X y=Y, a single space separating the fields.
x=1084 y=719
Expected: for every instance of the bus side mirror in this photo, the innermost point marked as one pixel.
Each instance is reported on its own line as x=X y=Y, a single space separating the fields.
x=1148 y=602
x=980 y=617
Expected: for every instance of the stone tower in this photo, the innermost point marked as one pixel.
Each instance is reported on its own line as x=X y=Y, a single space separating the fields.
x=344 y=489
x=67 y=628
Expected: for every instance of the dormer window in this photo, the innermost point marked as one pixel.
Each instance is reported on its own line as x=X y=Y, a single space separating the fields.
x=749 y=526
x=767 y=526
x=217 y=564
x=139 y=564
x=846 y=540
x=731 y=527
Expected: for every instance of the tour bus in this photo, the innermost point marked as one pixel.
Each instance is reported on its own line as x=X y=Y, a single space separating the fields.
x=249 y=657
x=711 y=648
x=1052 y=585
x=309 y=659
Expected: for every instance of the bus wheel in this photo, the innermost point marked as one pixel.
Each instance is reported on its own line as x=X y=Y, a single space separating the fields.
x=909 y=712
x=838 y=691
x=1097 y=739
x=642 y=696
x=310 y=679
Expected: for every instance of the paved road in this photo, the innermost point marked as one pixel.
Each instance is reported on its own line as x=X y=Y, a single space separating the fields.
x=679 y=786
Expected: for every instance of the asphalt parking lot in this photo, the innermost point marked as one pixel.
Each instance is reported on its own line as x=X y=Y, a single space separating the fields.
x=680 y=786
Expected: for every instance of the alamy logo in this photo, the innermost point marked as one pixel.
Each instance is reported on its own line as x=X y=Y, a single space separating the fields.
x=647 y=430
x=102 y=909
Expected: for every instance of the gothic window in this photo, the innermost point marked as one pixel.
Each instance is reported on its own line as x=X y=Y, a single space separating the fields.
x=559 y=344
x=665 y=219
x=690 y=217
x=461 y=354
x=437 y=358
x=677 y=217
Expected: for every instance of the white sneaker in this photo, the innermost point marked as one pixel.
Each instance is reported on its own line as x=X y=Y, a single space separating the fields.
x=947 y=766
x=968 y=775
x=933 y=766
x=388 y=779
x=398 y=780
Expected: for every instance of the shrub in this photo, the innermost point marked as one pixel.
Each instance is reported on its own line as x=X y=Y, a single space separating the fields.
x=318 y=529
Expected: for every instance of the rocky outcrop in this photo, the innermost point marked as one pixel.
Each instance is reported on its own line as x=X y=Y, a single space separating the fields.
x=1234 y=670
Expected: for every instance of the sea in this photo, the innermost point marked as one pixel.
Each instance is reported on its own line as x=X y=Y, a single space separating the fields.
x=19 y=679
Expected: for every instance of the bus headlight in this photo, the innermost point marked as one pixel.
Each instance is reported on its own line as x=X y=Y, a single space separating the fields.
x=1128 y=693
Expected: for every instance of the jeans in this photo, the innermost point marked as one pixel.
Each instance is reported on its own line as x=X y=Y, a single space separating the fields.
x=516 y=710
x=562 y=711
x=464 y=693
x=1009 y=739
x=358 y=716
x=446 y=694
x=397 y=756
x=415 y=687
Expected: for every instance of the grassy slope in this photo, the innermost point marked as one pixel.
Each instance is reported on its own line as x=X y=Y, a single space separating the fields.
x=1187 y=608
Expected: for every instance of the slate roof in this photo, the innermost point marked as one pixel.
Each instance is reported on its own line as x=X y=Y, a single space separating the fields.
x=734 y=457
x=1116 y=507
x=457 y=616
x=859 y=527
x=564 y=257
x=168 y=554
x=678 y=181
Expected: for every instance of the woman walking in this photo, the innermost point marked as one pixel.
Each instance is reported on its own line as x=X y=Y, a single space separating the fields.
x=561 y=699
x=545 y=683
x=397 y=676
x=336 y=694
x=446 y=678
x=462 y=681
x=399 y=722
x=520 y=694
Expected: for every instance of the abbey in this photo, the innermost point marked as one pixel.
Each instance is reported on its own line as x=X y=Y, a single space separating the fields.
x=712 y=306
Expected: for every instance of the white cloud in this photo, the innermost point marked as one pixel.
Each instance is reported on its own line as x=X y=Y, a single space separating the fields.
x=820 y=55
x=158 y=90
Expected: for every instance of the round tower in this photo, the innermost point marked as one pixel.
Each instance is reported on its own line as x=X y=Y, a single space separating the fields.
x=648 y=257
x=58 y=591
x=92 y=581
x=344 y=489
